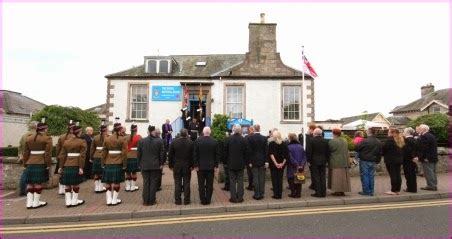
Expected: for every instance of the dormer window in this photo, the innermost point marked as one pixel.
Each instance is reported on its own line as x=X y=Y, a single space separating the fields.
x=158 y=66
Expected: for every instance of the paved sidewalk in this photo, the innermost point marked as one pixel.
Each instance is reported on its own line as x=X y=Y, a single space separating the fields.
x=14 y=211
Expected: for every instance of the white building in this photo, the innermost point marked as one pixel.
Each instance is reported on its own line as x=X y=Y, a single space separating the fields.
x=255 y=86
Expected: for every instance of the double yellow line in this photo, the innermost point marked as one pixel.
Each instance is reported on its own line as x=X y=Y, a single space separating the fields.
x=213 y=218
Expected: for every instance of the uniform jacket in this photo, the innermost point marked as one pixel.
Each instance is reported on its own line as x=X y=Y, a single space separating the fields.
x=206 y=153
x=115 y=142
x=60 y=142
x=22 y=142
x=43 y=143
x=236 y=152
x=96 y=147
x=73 y=145
x=317 y=151
x=339 y=155
x=132 y=146
x=180 y=153
x=151 y=153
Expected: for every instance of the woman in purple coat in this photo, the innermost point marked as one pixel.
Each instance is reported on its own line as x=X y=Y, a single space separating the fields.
x=296 y=163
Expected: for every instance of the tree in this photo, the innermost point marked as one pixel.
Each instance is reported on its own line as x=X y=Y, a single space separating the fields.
x=219 y=127
x=438 y=124
x=59 y=116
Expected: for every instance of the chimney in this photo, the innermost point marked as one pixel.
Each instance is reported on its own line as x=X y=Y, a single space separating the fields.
x=427 y=89
x=262 y=41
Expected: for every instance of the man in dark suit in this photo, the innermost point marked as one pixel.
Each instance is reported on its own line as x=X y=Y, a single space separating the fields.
x=206 y=156
x=180 y=158
x=236 y=154
x=151 y=157
x=258 y=151
x=167 y=130
x=249 y=171
x=317 y=152
x=428 y=156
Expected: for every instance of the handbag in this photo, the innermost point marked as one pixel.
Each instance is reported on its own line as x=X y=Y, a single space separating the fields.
x=300 y=177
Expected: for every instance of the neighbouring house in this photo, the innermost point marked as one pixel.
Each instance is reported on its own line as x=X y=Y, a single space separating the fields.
x=16 y=111
x=329 y=124
x=431 y=102
x=398 y=121
x=100 y=110
x=256 y=86
x=378 y=118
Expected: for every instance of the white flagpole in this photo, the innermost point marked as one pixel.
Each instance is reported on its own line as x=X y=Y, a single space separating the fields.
x=303 y=93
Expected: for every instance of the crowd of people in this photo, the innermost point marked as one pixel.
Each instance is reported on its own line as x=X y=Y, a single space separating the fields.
x=116 y=158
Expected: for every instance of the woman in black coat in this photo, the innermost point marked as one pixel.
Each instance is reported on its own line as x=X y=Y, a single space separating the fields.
x=410 y=152
x=279 y=155
x=393 y=156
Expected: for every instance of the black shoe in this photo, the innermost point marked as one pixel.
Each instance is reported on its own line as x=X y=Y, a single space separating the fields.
x=186 y=202
x=203 y=203
x=275 y=197
x=232 y=201
x=255 y=198
x=250 y=188
x=291 y=196
x=178 y=203
x=159 y=189
x=429 y=189
x=240 y=200
x=315 y=195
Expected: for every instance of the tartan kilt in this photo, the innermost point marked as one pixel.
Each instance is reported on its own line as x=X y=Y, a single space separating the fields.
x=70 y=176
x=36 y=174
x=97 y=167
x=132 y=165
x=113 y=173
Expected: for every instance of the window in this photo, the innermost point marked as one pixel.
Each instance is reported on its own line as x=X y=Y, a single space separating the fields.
x=235 y=101
x=435 y=109
x=163 y=67
x=151 y=66
x=158 y=66
x=291 y=102
x=139 y=101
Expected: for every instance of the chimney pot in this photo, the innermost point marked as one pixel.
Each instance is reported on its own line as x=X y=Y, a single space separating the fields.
x=262 y=17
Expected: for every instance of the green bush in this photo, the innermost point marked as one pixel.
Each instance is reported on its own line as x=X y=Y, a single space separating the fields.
x=219 y=127
x=351 y=146
x=59 y=116
x=438 y=124
x=9 y=151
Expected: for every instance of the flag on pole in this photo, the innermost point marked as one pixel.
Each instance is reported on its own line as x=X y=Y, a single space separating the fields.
x=308 y=67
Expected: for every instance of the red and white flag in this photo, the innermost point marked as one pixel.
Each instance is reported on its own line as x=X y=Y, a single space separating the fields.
x=308 y=68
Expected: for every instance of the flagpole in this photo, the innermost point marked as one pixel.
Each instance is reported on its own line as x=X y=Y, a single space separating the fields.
x=303 y=93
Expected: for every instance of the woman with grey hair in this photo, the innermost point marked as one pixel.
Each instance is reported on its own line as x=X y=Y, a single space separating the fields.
x=410 y=153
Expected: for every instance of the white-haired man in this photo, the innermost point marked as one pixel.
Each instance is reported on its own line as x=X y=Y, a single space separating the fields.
x=428 y=156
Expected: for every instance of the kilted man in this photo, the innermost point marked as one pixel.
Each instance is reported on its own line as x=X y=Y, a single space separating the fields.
x=59 y=146
x=114 y=159
x=37 y=159
x=132 y=160
x=72 y=155
x=96 y=155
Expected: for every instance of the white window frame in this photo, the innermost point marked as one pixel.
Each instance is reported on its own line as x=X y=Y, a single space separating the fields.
x=157 y=70
x=226 y=103
x=300 y=100
x=435 y=109
x=130 y=102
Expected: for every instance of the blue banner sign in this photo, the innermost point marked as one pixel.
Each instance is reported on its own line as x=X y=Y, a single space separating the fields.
x=166 y=93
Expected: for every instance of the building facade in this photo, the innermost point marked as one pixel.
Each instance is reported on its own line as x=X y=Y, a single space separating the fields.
x=256 y=86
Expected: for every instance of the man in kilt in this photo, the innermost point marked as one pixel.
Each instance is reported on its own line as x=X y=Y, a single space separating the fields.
x=37 y=159
x=59 y=146
x=96 y=155
x=114 y=159
x=132 y=160
x=72 y=162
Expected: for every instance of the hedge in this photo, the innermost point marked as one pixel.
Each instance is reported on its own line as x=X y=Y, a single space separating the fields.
x=14 y=151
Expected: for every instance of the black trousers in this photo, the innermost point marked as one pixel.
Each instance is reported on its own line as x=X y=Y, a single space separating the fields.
x=150 y=180
x=205 y=185
x=295 y=188
x=318 y=177
x=159 y=179
x=226 y=176
x=312 y=186
x=249 y=172
x=277 y=181
x=87 y=170
x=409 y=169
x=182 y=177
x=396 y=178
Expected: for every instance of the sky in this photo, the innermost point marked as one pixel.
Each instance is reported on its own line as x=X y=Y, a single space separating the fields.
x=369 y=56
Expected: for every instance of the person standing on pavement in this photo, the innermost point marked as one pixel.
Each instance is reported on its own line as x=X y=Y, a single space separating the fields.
x=206 y=156
x=60 y=143
x=37 y=159
x=236 y=154
x=258 y=150
x=279 y=156
x=158 y=133
x=428 y=156
x=32 y=130
x=114 y=162
x=167 y=133
x=338 y=165
x=87 y=169
x=132 y=161
x=393 y=157
x=249 y=172
x=297 y=161
x=369 y=151
x=72 y=155
x=410 y=154
x=317 y=152
x=180 y=161
x=151 y=156
x=95 y=157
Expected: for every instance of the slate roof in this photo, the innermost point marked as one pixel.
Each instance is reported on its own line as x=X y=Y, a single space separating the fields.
x=398 y=120
x=100 y=109
x=184 y=66
x=439 y=95
x=16 y=103
x=350 y=119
